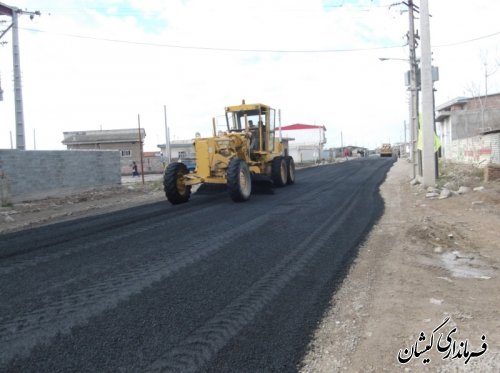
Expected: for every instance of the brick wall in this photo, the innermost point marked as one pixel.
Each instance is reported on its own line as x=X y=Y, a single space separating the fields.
x=37 y=174
x=481 y=150
x=478 y=103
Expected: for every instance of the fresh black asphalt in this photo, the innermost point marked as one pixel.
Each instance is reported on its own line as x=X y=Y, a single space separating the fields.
x=209 y=285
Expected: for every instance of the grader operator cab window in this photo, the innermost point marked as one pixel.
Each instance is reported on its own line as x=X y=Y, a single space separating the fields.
x=256 y=121
x=237 y=121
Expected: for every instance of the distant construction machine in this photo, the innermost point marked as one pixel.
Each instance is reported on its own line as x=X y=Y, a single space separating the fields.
x=386 y=150
x=247 y=150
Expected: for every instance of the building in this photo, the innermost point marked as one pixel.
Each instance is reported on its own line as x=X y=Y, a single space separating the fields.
x=126 y=141
x=179 y=149
x=308 y=144
x=469 y=129
x=347 y=151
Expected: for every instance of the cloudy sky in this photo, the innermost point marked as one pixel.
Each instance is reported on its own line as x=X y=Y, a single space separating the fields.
x=97 y=64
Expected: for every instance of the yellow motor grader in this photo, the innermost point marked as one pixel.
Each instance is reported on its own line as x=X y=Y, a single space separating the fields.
x=248 y=149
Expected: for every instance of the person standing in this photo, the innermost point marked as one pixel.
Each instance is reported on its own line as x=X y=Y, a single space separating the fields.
x=134 y=169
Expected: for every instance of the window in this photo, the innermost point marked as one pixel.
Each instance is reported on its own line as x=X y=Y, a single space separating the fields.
x=126 y=153
x=182 y=155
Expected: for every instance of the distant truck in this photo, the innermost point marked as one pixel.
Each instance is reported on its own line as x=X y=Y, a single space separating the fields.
x=386 y=150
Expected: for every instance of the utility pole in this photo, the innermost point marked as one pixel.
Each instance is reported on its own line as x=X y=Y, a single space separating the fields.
x=1 y=90
x=341 y=144
x=18 y=90
x=140 y=147
x=404 y=149
x=413 y=91
x=428 y=157
x=13 y=12
x=167 y=137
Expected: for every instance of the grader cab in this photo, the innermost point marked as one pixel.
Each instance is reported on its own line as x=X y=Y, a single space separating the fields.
x=246 y=151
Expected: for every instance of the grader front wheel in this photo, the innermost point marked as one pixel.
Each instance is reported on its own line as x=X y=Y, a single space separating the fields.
x=173 y=182
x=239 y=182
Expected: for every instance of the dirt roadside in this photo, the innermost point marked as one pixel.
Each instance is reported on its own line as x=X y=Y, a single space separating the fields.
x=55 y=209
x=425 y=260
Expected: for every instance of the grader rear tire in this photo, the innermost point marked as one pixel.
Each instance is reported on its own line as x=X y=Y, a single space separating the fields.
x=279 y=171
x=173 y=183
x=239 y=182
x=290 y=170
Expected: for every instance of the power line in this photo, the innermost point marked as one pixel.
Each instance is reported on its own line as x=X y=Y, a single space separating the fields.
x=466 y=41
x=221 y=49
x=123 y=11
x=217 y=49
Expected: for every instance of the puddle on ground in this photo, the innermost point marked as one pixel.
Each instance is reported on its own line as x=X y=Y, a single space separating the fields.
x=464 y=266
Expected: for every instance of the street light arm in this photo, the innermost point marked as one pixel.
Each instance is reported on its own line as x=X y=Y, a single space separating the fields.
x=417 y=60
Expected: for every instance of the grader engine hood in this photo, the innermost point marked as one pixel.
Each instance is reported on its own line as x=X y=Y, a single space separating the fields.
x=214 y=154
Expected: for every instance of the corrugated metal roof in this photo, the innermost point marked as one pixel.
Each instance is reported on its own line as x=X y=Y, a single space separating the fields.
x=102 y=137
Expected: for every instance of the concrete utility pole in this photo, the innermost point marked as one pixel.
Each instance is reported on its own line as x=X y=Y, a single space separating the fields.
x=13 y=12
x=404 y=126
x=413 y=92
x=1 y=90
x=18 y=90
x=428 y=161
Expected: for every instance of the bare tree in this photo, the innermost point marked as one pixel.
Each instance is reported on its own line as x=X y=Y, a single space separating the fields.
x=474 y=88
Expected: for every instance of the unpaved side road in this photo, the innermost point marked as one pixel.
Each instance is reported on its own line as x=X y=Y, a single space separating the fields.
x=425 y=260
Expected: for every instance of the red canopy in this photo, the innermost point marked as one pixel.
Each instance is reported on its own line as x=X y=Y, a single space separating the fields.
x=298 y=126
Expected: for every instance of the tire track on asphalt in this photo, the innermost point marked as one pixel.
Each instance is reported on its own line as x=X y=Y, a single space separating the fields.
x=23 y=332
x=17 y=263
x=20 y=334
x=201 y=346
x=89 y=226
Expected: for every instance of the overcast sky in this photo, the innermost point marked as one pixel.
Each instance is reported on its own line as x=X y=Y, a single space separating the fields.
x=90 y=65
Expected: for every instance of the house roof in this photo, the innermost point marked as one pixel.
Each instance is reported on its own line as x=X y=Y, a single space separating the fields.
x=442 y=115
x=460 y=101
x=299 y=126
x=103 y=137
x=455 y=101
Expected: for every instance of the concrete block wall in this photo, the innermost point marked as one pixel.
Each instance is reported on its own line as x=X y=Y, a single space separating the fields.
x=37 y=174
